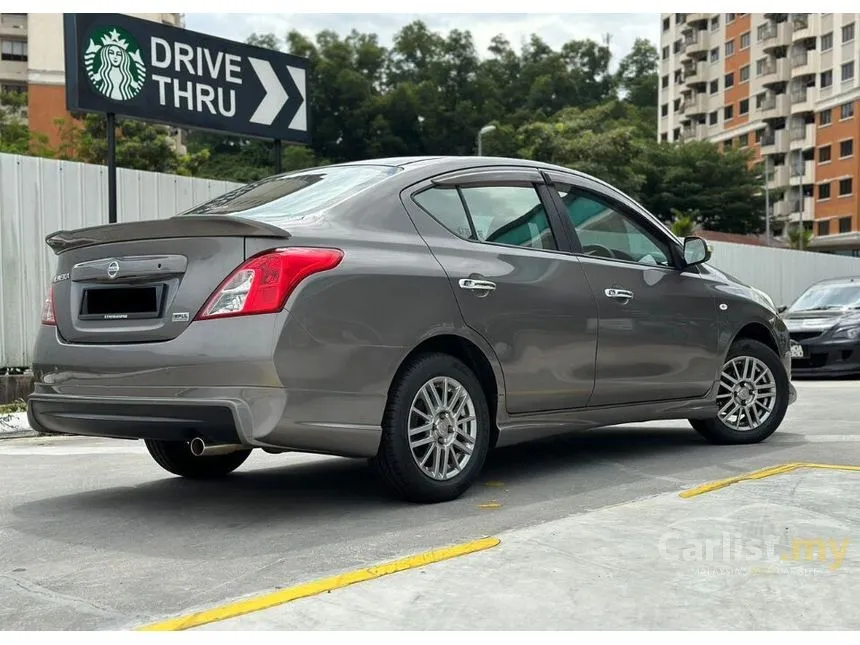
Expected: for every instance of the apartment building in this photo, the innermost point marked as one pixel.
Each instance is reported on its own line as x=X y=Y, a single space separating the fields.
x=32 y=61
x=786 y=86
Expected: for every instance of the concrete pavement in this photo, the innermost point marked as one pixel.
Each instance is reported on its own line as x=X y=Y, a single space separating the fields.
x=773 y=554
x=95 y=536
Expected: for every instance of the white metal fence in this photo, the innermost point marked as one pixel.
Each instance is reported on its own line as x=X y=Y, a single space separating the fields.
x=783 y=274
x=40 y=196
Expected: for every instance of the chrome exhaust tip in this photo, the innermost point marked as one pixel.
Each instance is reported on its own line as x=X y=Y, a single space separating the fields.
x=199 y=448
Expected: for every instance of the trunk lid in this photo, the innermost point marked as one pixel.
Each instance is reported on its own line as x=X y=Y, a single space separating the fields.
x=145 y=281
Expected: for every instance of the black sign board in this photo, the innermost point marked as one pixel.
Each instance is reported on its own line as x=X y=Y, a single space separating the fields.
x=117 y=64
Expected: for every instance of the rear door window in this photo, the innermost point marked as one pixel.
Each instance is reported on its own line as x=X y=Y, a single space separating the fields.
x=445 y=205
x=295 y=194
x=511 y=215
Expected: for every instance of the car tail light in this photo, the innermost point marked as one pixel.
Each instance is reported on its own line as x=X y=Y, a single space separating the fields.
x=49 y=316
x=262 y=284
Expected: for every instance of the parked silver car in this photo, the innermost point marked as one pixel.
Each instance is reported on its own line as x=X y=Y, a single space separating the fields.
x=413 y=311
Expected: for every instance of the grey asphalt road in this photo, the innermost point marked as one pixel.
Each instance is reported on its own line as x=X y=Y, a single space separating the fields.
x=93 y=535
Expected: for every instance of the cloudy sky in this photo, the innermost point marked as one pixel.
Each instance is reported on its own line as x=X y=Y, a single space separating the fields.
x=554 y=28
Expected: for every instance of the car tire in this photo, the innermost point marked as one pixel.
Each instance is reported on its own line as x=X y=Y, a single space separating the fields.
x=723 y=430
x=176 y=457
x=451 y=431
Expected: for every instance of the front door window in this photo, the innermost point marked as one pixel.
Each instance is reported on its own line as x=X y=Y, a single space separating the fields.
x=606 y=231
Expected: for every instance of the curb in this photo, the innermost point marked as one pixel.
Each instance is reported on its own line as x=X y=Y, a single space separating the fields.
x=18 y=434
x=12 y=428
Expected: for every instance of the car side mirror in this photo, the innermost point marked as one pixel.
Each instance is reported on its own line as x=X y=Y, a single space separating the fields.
x=696 y=251
x=781 y=309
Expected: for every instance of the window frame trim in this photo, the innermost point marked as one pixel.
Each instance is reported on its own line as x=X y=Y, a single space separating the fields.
x=493 y=176
x=614 y=199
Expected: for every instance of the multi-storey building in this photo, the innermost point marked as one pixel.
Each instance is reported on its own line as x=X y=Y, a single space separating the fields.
x=786 y=86
x=32 y=61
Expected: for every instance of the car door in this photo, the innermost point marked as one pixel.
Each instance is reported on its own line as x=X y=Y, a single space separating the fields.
x=515 y=280
x=658 y=330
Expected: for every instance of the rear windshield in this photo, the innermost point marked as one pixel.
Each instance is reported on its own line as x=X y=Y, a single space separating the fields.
x=294 y=194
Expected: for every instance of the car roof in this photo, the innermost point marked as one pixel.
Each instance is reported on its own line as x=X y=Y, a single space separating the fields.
x=456 y=162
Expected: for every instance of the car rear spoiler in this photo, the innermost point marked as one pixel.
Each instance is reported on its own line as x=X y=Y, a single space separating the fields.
x=179 y=226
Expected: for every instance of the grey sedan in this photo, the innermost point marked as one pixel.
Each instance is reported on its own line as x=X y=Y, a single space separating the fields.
x=413 y=311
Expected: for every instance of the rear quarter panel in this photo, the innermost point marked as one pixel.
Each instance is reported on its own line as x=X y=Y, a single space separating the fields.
x=346 y=331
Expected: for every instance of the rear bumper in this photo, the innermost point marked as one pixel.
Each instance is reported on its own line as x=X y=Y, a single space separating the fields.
x=838 y=358
x=218 y=381
x=253 y=417
x=163 y=419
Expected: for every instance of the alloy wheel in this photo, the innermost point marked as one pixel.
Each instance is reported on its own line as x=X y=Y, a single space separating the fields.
x=442 y=427
x=747 y=393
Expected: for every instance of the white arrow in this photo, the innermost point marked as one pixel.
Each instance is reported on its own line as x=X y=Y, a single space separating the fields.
x=276 y=95
x=300 y=120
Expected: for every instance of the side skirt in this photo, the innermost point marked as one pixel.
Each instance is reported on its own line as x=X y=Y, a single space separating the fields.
x=528 y=427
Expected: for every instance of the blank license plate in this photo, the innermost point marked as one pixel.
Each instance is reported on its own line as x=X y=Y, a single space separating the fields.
x=797 y=351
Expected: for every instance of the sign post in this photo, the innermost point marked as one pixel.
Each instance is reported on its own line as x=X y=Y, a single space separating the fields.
x=118 y=65
x=110 y=117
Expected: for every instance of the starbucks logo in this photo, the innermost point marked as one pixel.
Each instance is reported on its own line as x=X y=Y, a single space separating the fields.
x=114 y=64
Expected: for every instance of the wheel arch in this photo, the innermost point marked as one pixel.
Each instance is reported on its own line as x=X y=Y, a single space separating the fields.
x=747 y=330
x=468 y=350
x=755 y=330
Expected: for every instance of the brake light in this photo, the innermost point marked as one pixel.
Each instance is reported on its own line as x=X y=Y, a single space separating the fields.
x=262 y=284
x=49 y=316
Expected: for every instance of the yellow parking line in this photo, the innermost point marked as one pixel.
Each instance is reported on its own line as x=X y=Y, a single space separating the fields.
x=265 y=601
x=761 y=474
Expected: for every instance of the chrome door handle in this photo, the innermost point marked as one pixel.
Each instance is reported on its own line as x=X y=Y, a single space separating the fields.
x=619 y=294
x=477 y=285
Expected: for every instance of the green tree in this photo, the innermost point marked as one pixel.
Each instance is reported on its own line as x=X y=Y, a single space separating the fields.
x=346 y=82
x=601 y=141
x=638 y=74
x=799 y=238
x=428 y=93
x=139 y=145
x=441 y=75
x=697 y=176
x=269 y=41
x=431 y=92
x=15 y=135
x=684 y=224
x=616 y=142
x=243 y=159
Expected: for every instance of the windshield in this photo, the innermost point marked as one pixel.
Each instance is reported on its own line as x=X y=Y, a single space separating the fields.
x=294 y=194
x=829 y=296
